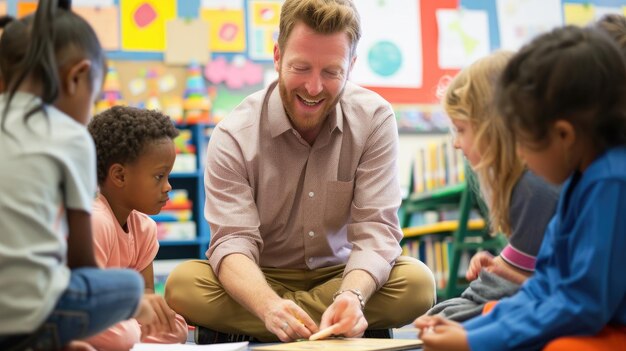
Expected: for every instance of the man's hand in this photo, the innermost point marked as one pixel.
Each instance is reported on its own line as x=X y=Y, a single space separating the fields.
x=288 y=321
x=438 y=333
x=345 y=315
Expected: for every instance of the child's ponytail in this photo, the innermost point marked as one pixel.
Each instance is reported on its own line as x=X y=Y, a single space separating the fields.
x=39 y=59
x=34 y=46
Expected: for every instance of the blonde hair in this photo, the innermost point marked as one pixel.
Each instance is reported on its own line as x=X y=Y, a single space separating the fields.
x=470 y=97
x=323 y=16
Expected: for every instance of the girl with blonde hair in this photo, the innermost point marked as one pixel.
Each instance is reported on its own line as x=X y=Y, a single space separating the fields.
x=519 y=203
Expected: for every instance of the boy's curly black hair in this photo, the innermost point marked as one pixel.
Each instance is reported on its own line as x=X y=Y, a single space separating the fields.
x=121 y=134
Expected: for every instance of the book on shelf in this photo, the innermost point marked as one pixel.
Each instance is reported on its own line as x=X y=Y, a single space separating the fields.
x=175 y=221
x=436 y=164
x=436 y=253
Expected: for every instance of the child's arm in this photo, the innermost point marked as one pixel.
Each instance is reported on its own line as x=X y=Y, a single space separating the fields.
x=148 y=278
x=485 y=260
x=164 y=313
x=79 y=241
x=509 y=272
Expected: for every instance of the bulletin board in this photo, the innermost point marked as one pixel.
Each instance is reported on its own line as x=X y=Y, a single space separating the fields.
x=409 y=52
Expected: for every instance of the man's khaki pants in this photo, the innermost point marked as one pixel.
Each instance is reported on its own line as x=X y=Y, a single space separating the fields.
x=194 y=291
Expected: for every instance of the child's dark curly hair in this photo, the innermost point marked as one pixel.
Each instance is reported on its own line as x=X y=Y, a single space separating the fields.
x=121 y=134
x=571 y=73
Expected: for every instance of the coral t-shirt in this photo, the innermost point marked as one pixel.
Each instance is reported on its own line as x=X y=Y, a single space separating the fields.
x=134 y=248
x=116 y=248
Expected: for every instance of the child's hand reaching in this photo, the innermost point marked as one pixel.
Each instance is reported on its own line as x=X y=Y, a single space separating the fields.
x=481 y=260
x=155 y=316
x=438 y=333
x=496 y=265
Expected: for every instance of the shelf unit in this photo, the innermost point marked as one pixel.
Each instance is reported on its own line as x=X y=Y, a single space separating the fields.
x=467 y=235
x=193 y=182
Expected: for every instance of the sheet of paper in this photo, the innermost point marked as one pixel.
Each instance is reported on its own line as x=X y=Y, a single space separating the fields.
x=262 y=26
x=92 y=3
x=105 y=21
x=226 y=29
x=25 y=8
x=225 y=4
x=235 y=346
x=143 y=23
x=348 y=344
x=182 y=52
x=525 y=19
x=390 y=50
x=579 y=14
x=463 y=37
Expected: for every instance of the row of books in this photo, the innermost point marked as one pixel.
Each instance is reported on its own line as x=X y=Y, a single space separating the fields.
x=175 y=221
x=437 y=164
x=443 y=213
x=186 y=155
x=436 y=252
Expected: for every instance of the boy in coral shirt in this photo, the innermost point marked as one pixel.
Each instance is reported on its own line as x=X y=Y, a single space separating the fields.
x=136 y=153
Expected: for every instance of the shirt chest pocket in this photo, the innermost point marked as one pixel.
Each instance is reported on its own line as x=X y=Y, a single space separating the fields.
x=338 y=204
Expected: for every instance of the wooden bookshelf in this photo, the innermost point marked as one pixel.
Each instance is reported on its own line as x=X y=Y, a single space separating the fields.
x=442 y=245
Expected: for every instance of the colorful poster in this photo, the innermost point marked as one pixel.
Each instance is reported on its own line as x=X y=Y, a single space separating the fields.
x=105 y=21
x=143 y=23
x=463 y=37
x=263 y=20
x=92 y=3
x=601 y=11
x=226 y=25
x=139 y=79
x=389 y=53
x=3 y=8
x=25 y=8
x=522 y=20
x=179 y=52
x=238 y=73
x=579 y=14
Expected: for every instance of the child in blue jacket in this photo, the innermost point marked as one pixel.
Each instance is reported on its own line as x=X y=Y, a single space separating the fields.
x=564 y=95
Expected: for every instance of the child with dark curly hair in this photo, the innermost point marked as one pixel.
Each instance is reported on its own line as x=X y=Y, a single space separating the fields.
x=135 y=155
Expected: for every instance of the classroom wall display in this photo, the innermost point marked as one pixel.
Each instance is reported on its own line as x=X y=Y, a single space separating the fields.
x=389 y=53
x=463 y=37
x=226 y=24
x=105 y=21
x=525 y=19
x=409 y=51
x=143 y=23
x=263 y=20
x=141 y=80
x=179 y=52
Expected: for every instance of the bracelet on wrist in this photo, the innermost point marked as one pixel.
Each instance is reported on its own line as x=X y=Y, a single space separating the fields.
x=356 y=292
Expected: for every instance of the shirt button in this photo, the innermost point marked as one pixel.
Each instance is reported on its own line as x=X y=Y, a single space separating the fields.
x=311 y=233
x=311 y=194
x=310 y=259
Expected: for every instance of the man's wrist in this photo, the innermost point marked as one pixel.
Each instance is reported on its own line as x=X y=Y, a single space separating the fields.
x=355 y=292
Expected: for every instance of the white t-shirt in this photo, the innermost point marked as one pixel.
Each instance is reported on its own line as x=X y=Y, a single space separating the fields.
x=47 y=165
